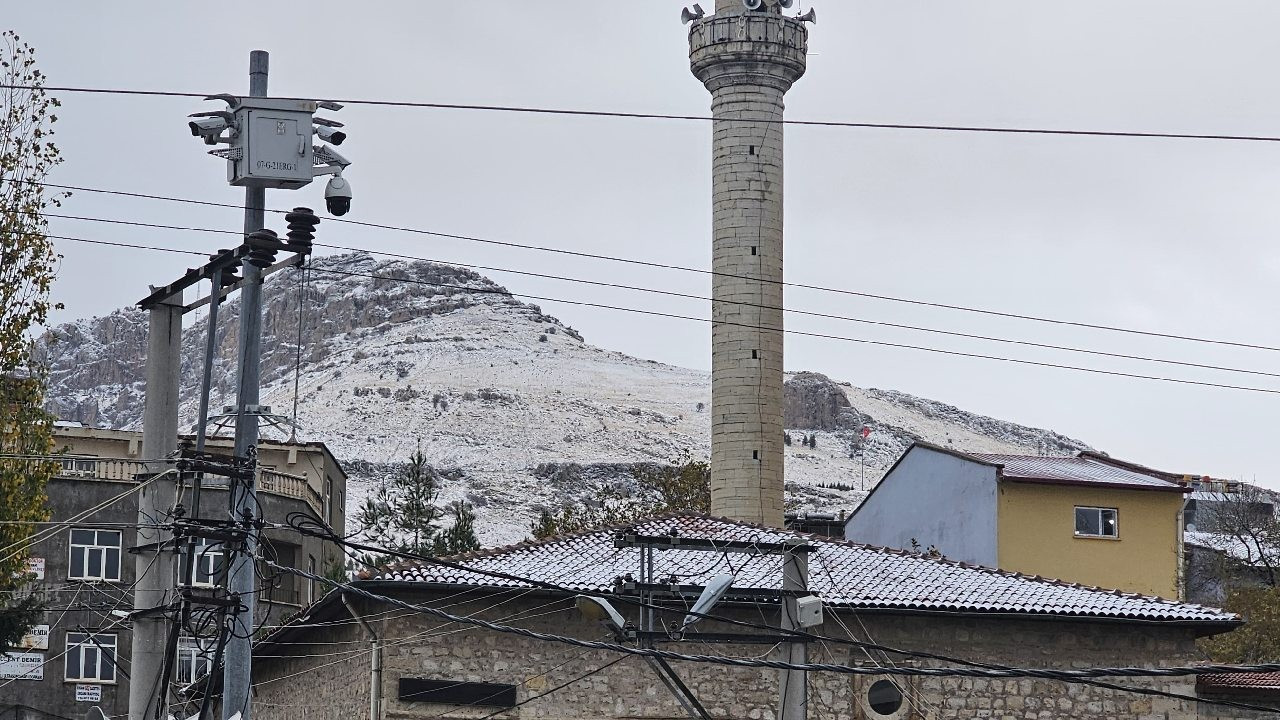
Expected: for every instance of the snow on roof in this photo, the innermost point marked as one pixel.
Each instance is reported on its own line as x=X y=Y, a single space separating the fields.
x=1243 y=549
x=843 y=573
x=1080 y=470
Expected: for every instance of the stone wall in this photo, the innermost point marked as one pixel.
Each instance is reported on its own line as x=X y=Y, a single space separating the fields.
x=421 y=647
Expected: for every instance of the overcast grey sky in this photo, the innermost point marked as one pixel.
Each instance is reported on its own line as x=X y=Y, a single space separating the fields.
x=1166 y=235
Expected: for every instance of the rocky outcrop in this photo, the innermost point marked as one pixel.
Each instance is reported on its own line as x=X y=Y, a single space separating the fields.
x=97 y=366
x=812 y=401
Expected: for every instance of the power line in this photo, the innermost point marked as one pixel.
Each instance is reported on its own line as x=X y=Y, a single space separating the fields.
x=682 y=268
x=690 y=296
x=294 y=521
x=826 y=336
x=801 y=333
x=534 y=110
x=851 y=640
x=1074 y=674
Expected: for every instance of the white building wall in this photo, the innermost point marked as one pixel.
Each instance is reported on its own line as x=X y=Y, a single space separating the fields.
x=938 y=500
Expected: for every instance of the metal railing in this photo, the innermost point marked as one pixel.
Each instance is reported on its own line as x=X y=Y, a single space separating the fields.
x=269 y=481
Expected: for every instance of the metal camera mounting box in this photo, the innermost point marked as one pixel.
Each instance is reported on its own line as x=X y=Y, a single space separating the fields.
x=808 y=611
x=273 y=146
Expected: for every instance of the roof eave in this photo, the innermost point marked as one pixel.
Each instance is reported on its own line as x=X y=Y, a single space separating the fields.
x=1093 y=483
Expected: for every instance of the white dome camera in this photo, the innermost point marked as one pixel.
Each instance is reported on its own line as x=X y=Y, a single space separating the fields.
x=337 y=195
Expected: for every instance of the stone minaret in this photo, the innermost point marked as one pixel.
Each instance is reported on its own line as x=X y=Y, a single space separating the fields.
x=748 y=59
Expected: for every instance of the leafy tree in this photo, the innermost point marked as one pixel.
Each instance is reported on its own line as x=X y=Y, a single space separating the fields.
x=1258 y=641
x=1244 y=530
x=27 y=266
x=659 y=489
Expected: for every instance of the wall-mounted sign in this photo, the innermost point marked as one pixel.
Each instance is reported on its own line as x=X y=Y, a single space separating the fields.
x=88 y=693
x=22 y=666
x=37 y=638
x=35 y=565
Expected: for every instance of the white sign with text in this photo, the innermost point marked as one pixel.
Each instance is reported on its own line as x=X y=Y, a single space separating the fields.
x=37 y=638
x=22 y=666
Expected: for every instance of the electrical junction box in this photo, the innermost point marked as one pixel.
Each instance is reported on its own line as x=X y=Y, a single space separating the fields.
x=272 y=146
x=809 y=611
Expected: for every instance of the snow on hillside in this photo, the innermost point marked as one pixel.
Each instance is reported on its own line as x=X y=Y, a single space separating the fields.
x=522 y=411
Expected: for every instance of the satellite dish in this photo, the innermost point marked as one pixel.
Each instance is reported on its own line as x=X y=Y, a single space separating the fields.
x=711 y=595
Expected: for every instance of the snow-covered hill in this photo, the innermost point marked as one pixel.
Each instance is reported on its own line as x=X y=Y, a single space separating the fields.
x=523 y=411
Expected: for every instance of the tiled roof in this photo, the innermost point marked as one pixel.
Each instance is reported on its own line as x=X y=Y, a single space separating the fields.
x=1239 y=682
x=844 y=574
x=1074 y=470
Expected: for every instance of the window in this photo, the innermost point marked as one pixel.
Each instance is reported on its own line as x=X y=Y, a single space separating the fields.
x=884 y=699
x=95 y=555
x=209 y=565
x=79 y=467
x=1097 y=522
x=328 y=501
x=91 y=657
x=195 y=659
x=311 y=584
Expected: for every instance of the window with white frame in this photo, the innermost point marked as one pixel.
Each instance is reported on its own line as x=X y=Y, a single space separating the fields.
x=1097 y=522
x=91 y=657
x=79 y=467
x=95 y=555
x=195 y=659
x=209 y=563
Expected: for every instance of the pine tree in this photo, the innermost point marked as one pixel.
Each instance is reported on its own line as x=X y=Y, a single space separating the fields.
x=461 y=536
x=545 y=526
x=401 y=514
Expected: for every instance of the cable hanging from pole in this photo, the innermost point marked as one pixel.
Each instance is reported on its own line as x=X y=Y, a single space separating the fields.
x=533 y=110
x=682 y=268
x=690 y=296
x=826 y=336
x=1018 y=672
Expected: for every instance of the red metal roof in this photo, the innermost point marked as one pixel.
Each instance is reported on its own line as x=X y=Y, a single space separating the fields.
x=1075 y=471
x=1268 y=683
x=843 y=573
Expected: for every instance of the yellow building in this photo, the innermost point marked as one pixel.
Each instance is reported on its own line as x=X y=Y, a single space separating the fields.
x=1087 y=519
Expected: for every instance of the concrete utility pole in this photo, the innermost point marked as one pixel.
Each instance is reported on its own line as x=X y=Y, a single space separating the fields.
x=154 y=562
x=793 y=685
x=748 y=59
x=237 y=663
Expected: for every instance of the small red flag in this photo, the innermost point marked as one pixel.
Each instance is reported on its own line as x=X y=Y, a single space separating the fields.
x=866 y=432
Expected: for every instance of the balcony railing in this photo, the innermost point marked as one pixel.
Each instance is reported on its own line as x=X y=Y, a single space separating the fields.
x=294 y=486
x=269 y=481
x=100 y=468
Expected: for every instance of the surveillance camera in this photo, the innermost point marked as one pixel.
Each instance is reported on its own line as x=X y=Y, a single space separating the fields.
x=326 y=154
x=337 y=195
x=208 y=126
x=329 y=134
